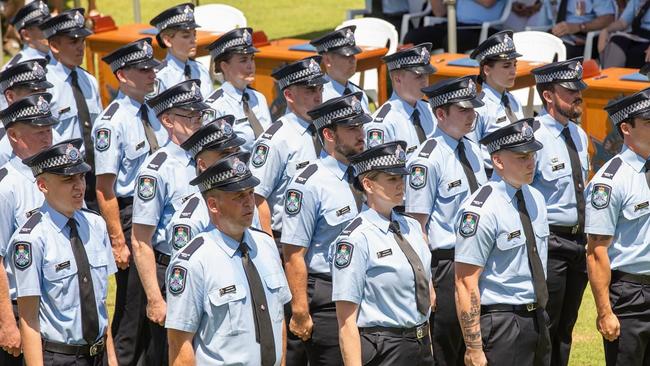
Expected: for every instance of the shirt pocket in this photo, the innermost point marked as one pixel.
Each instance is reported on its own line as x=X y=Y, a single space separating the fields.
x=62 y=284
x=340 y=216
x=66 y=117
x=99 y=269
x=557 y=170
x=637 y=212
x=279 y=288
x=453 y=187
x=134 y=151
x=513 y=255
x=228 y=311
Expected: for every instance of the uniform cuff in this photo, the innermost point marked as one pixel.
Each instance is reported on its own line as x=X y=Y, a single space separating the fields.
x=469 y=260
x=346 y=297
x=144 y=220
x=425 y=210
x=598 y=230
x=263 y=191
x=185 y=327
x=27 y=291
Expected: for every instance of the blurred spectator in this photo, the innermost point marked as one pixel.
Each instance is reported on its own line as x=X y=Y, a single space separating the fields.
x=526 y=13
x=627 y=49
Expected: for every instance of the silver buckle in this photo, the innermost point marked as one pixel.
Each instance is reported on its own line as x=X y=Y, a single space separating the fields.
x=97 y=347
x=574 y=230
x=531 y=307
x=419 y=331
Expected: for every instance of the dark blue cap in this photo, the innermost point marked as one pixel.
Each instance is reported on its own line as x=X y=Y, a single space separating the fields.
x=138 y=54
x=416 y=59
x=567 y=74
x=631 y=106
x=33 y=109
x=29 y=74
x=238 y=40
x=518 y=136
x=343 y=110
x=63 y=158
x=340 y=41
x=461 y=91
x=303 y=72
x=177 y=17
x=499 y=46
x=228 y=174
x=31 y=14
x=216 y=135
x=185 y=95
x=68 y=23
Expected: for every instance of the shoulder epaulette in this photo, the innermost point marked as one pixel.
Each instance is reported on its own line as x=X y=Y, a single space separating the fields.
x=214 y=96
x=428 y=148
x=268 y=134
x=110 y=111
x=2 y=132
x=536 y=125
x=14 y=60
x=308 y=172
x=358 y=87
x=162 y=65
x=480 y=96
x=260 y=231
x=351 y=226
x=482 y=195
x=157 y=161
x=31 y=223
x=3 y=173
x=85 y=209
x=382 y=113
x=190 y=207
x=251 y=88
x=190 y=249
x=612 y=168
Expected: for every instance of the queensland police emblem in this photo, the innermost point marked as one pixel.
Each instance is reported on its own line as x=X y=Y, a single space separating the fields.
x=375 y=137
x=418 y=176
x=146 y=187
x=468 y=224
x=102 y=139
x=259 y=155
x=176 y=280
x=22 y=254
x=343 y=255
x=600 y=195
x=182 y=236
x=293 y=202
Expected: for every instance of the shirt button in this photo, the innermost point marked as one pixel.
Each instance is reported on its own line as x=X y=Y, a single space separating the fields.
x=263 y=307
x=85 y=279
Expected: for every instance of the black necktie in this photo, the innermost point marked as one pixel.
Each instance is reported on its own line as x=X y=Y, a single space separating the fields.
x=467 y=168
x=358 y=196
x=148 y=130
x=252 y=118
x=415 y=117
x=576 y=173
x=422 y=295
x=506 y=104
x=85 y=126
x=89 y=317
x=534 y=261
x=647 y=172
x=636 y=22
x=561 y=13
x=187 y=72
x=318 y=146
x=347 y=91
x=263 y=325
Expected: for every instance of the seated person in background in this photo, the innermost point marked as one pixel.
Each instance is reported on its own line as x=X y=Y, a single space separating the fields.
x=390 y=11
x=629 y=49
x=526 y=13
x=575 y=18
x=468 y=13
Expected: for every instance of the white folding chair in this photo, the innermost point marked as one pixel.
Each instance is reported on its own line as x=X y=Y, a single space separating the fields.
x=352 y=13
x=413 y=17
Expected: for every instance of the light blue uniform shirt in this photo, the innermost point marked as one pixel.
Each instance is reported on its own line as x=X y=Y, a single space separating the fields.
x=161 y=186
x=172 y=71
x=581 y=11
x=394 y=6
x=618 y=206
x=6 y=151
x=491 y=236
x=396 y=124
x=438 y=185
x=51 y=272
x=121 y=145
x=317 y=209
x=228 y=100
x=212 y=297
x=471 y=12
x=553 y=173
x=632 y=8
x=63 y=106
x=334 y=89
x=283 y=150
x=377 y=275
x=26 y=54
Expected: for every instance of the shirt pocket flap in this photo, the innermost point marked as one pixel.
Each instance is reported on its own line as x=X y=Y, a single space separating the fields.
x=553 y=171
x=634 y=211
x=55 y=272
x=452 y=187
x=511 y=240
x=341 y=215
x=226 y=295
x=541 y=230
x=136 y=150
x=275 y=281
x=97 y=259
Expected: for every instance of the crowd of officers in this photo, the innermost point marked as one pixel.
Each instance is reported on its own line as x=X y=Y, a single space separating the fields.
x=447 y=230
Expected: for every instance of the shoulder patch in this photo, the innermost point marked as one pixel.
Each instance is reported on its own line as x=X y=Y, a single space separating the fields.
x=308 y=172
x=260 y=153
x=102 y=139
x=600 y=196
x=293 y=201
x=343 y=255
x=427 y=149
x=22 y=254
x=190 y=207
x=191 y=248
x=482 y=195
x=351 y=226
x=418 y=176
x=177 y=279
x=382 y=113
x=268 y=134
x=157 y=161
x=162 y=65
x=468 y=224
x=31 y=223
x=3 y=173
x=110 y=111
x=214 y=96
x=181 y=235
x=260 y=231
x=374 y=137
x=147 y=187
x=84 y=209
x=612 y=168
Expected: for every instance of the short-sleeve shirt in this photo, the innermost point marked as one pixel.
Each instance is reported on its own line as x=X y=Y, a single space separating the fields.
x=334 y=89
x=471 y=12
x=631 y=10
x=172 y=71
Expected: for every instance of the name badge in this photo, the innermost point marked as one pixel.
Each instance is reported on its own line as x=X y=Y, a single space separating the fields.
x=62 y=266
x=411 y=149
x=557 y=167
x=64 y=110
x=502 y=119
x=384 y=253
x=302 y=165
x=241 y=120
x=641 y=206
x=227 y=290
x=514 y=234
x=139 y=146
x=343 y=211
x=454 y=184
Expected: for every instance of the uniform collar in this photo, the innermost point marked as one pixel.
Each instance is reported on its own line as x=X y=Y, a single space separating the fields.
x=503 y=186
x=230 y=245
x=59 y=220
x=336 y=167
x=407 y=108
x=60 y=69
x=23 y=169
x=174 y=61
x=378 y=220
x=231 y=91
x=553 y=126
x=338 y=87
x=490 y=93
x=632 y=159
x=32 y=52
x=450 y=142
x=296 y=122
x=179 y=154
x=128 y=101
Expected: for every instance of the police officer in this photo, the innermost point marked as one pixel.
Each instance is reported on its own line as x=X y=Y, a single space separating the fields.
x=61 y=259
x=226 y=288
x=443 y=172
x=381 y=270
x=617 y=226
x=405 y=116
x=319 y=203
x=177 y=32
x=500 y=256
x=75 y=95
x=124 y=135
x=561 y=174
x=338 y=50
x=26 y=22
x=29 y=125
x=160 y=187
x=497 y=58
x=18 y=81
x=234 y=56
x=291 y=143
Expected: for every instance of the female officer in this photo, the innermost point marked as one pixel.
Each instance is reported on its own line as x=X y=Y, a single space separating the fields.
x=381 y=269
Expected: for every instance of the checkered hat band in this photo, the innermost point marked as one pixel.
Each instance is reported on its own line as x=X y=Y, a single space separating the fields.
x=236 y=42
x=507 y=140
x=406 y=61
x=174 y=100
x=18 y=78
x=126 y=59
x=443 y=99
x=58 y=27
x=21 y=114
x=297 y=76
x=334 y=43
x=205 y=141
x=325 y=120
x=558 y=76
x=176 y=19
x=29 y=17
x=219 y=178
x=57 y=161
x=621 y=115
x=497 y=49
x=379 y=162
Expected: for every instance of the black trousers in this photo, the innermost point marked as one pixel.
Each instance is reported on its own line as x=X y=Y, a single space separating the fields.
x=6 y=359
x=323 y=347
x=446 y=335
x=466 y=39
x=516 y=338
x=573 y=51
x=566 y=279
x=381 y=349
x=59 y=359
x=631 y=304
x=634 y=51
x=157 y=352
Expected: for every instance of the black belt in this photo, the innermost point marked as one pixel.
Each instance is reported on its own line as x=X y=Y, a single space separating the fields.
x=443 y=254
x=276 y=234
x=321 y=276
x=418 y=332
x=161 y=258
x=123 y=202
x=630 y=277
x=572 y=230
x=78 y=350
x=506 y=308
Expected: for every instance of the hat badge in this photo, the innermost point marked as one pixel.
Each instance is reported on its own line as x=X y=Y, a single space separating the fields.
x=400 y=154
x=527 y=131
x=72 y=153
x=188 y=11
x=42 y=105
x=349 y=35
x=424 y=53
x=79 y=19
x=148 y=50
x=196 y=92
x=238 y=167
x=356 y=105
x=508 y=42
x=471 y=86
x=313 y=67
x=248 y=39
x=226 y=128
x=38 y=70
x=578 y=68
x=43 y=8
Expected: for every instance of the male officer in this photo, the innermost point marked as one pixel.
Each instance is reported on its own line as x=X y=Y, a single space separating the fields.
x=124 y=135
x=29 y=125
x=234 y=56
x=75 y=95
x=26 y=22
x=61 y=259
x=338 y=50
x=561 y=173
x=18 y=81
x=405 y=116
x=444 y=171
x=319 y=203
x=500 y=257
x=290 y=143
x=226 y=288
x=161 y=185
x=617 y=226
x=177 y=32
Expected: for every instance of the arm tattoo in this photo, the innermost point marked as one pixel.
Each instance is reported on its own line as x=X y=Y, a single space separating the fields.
x=470 y=323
